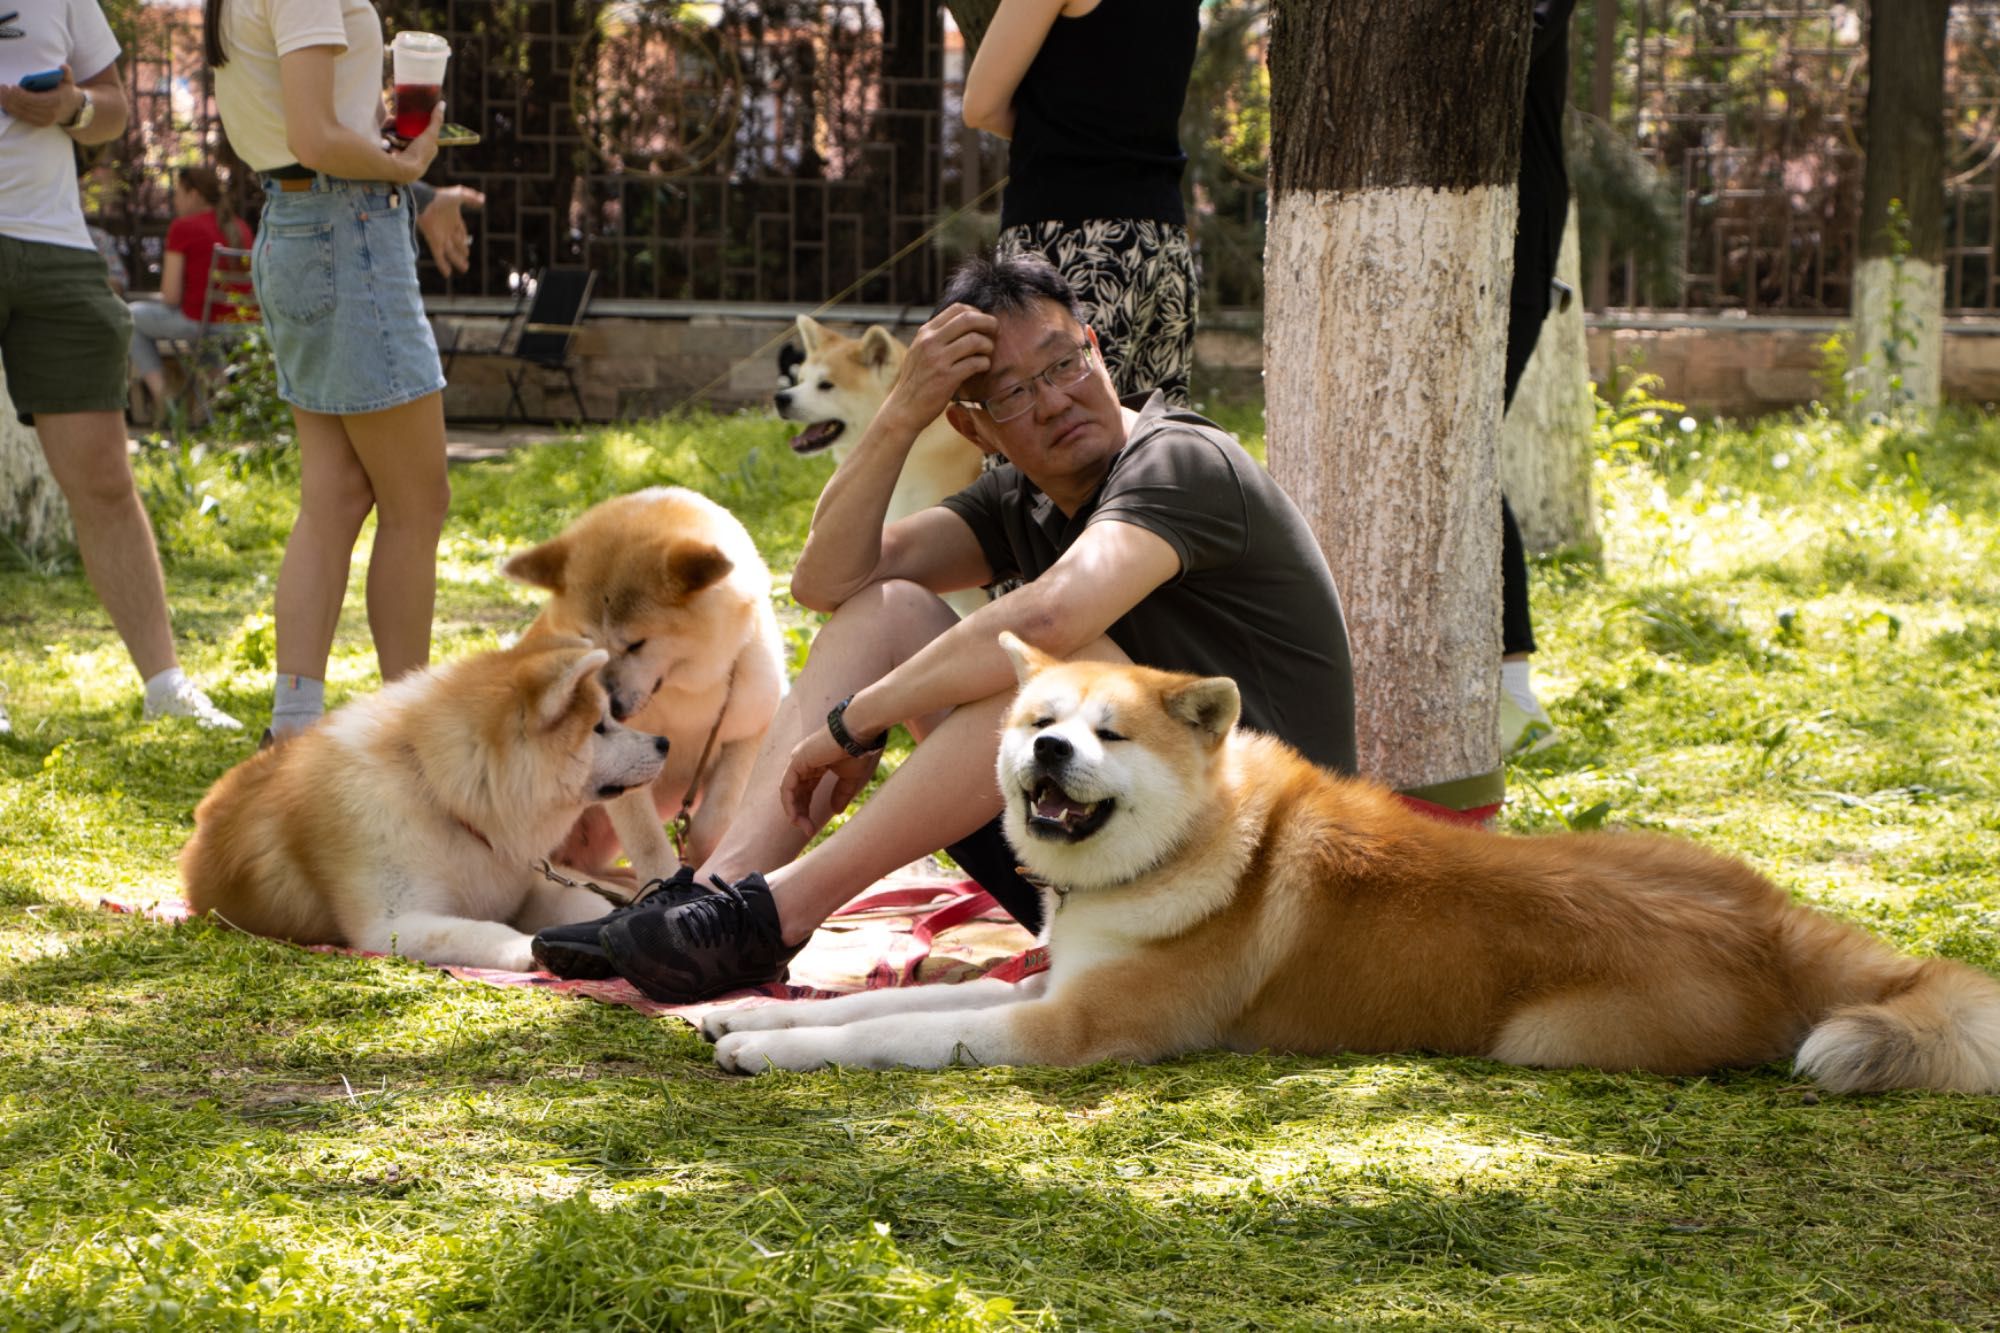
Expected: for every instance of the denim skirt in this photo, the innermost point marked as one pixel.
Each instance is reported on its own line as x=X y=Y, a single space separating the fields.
x=335 y=268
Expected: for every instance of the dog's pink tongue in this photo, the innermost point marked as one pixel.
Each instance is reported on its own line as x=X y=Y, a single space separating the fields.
x=815 y=436
x=1053 y=805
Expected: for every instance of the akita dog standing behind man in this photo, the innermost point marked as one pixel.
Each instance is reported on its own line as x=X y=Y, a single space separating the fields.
x=839 y=387
x=410 y=821
x=669 y=584
x=1215 y=889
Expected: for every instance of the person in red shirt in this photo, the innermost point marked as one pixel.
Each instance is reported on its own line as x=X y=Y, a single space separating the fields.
x=202 y=221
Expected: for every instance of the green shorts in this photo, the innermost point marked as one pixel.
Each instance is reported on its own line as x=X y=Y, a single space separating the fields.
x=64 y=334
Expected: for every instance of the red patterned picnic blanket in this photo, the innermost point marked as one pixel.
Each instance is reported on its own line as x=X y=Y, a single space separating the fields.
x=905 y=931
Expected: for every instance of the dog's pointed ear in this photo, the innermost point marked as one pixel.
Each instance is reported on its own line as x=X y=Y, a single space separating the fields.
x=1027 y=658
x=1210 y=705
x=811 y=333
x=694 y=565
x=540 y=566
x=879 y=348
x=559 y=696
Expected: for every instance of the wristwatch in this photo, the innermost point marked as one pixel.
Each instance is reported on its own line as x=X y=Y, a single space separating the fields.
x=86 y=111
x=836 y=723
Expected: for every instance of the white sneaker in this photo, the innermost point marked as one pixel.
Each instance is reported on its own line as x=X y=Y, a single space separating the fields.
x=1524 y=728
x=187 y=700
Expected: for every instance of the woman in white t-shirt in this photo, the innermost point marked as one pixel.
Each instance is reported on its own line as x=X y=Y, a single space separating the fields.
x=299 y=87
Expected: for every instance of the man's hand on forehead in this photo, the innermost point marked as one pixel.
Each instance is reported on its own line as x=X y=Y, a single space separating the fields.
x=953 y=347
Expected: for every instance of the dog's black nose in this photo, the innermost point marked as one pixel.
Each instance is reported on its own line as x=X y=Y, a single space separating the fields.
x=619 y=710
x=1052 y=749
x=783 y=400
x=660 y=744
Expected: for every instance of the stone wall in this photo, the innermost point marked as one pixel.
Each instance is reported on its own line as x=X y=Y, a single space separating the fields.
x=638 y=359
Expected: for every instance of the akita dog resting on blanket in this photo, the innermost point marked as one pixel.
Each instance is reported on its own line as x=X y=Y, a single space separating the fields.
x=410 y=821
x=1215 y=889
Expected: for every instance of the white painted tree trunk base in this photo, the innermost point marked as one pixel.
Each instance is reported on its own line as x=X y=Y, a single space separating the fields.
x=1887 y=372
x=1385 y=323
x=33 y=514
x=1545 y=453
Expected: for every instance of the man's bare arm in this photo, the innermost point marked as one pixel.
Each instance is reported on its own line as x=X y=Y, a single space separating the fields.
x=1112 y=568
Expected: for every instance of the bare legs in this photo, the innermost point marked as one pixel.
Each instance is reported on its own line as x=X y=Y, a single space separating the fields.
x=394 y=463
x=86 y=454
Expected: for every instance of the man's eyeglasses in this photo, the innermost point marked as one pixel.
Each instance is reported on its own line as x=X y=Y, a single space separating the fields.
x=1017 y=399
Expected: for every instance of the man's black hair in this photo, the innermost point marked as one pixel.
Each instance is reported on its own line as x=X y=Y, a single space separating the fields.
x=1008 y=286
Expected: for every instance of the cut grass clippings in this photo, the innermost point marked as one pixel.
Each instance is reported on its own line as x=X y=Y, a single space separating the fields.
x=1789 y=652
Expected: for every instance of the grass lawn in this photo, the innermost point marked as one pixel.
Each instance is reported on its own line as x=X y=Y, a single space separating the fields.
x=1789 y=652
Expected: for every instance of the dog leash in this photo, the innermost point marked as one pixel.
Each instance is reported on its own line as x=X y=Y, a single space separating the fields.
x=771 y=343
x=683 y=819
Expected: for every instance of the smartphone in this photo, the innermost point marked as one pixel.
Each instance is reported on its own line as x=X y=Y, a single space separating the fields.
x=43 y=82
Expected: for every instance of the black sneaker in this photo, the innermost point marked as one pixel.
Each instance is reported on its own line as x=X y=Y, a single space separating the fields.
x=704 y=947
x=573 y=953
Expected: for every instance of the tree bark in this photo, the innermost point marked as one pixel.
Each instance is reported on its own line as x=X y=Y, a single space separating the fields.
x=1603 y=54
x=1545 y=451
x=1898 y=348
x=33 y=514
x=1396 y=131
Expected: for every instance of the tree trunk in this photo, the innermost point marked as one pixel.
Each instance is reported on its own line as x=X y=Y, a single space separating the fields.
x=1603 y=54
x=33 y=515
x=1545 y=442
x=1898 y=349
x=972 y=16
x=1396 y=133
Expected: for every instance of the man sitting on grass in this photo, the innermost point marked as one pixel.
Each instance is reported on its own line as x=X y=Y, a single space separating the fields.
x=1142 y=533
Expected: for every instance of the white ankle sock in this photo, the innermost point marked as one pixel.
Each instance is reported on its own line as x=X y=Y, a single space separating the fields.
x=161 y=688
x=296 y=703
x=1516 y=685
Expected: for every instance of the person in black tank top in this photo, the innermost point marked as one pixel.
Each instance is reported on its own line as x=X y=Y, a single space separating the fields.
x=1090 y=97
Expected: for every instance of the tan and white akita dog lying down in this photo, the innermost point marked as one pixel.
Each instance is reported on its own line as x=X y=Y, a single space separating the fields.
x=670 y=584
x=1217 y=890
x=411 y=821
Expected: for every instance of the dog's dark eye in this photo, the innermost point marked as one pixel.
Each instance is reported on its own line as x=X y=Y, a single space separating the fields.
x=635 y=645
x=1106 y=734
x=1043 y=723
x=601 y=729
x=826 y=386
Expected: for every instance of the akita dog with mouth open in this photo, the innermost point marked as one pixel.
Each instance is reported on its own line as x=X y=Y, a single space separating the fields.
x=838 y=388
x=1214 y=889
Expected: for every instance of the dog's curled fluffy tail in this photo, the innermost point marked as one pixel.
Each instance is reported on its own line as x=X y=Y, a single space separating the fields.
x=1935 y=1026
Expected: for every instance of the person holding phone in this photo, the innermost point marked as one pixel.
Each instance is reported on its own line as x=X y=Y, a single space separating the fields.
x=64 y=333
x=1088 y=93
x=202 y=221
x=299 y=86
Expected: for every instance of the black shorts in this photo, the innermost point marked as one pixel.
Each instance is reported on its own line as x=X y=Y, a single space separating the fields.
x=985 y=856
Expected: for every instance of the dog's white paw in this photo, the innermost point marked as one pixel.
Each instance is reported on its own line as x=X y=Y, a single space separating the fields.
x=760 y=1052
x=748 y=1018
x=516 y=955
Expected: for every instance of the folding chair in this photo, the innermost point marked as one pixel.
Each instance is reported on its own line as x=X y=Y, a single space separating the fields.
x=540 y=334
x=228 y=308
